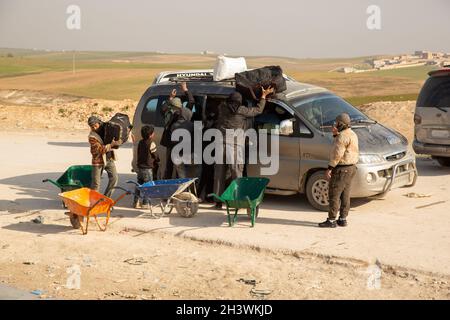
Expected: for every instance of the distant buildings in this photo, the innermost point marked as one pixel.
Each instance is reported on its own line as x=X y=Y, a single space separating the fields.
x=419 y=58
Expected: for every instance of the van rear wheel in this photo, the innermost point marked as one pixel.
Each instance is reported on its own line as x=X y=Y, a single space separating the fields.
x=317 y=191
x=443 y=161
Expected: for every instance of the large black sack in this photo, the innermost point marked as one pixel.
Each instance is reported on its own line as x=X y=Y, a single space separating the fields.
x=249 y=83
x=117 y=129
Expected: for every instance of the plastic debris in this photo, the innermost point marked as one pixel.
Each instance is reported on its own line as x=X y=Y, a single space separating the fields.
x=417 y=195
x=37 y=292
x=38 y=220
x=250 y=282
x=135 y=261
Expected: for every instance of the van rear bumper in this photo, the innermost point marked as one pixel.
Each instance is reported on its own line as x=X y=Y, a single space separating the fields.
x=437 y=150
x=384 y=177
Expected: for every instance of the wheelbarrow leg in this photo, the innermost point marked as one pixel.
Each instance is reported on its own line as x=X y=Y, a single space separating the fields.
x=103 y=228
x=235 y=216
x=253 y=216
x=228 y=215
x=85 y=229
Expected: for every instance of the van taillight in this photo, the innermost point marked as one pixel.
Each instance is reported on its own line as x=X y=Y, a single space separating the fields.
x=417 y=119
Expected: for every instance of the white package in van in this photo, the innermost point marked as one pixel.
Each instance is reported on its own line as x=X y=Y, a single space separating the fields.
x=225 y=67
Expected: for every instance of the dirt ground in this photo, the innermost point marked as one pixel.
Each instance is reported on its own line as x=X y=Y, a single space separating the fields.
x=59 y=112
x=126 y=264
x=283 y=257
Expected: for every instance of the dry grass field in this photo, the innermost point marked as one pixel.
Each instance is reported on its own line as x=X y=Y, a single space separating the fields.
x=126 y=75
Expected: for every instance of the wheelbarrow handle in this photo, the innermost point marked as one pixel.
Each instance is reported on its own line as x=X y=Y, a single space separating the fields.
x=215 y=196
x=126 y=192
x=133 y=182
x=52 y=181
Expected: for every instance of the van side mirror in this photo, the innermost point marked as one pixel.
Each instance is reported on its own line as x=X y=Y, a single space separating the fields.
x=287 y=127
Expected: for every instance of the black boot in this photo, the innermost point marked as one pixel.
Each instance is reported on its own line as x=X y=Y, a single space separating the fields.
x=342 y=222
x=328 y=224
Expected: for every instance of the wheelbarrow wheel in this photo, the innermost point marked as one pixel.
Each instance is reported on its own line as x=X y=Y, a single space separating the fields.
x=186 y=204
x=75 y=221
x=249 y=212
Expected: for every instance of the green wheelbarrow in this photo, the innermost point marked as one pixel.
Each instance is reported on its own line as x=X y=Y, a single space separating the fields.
x=243 y=193
x=75 y=177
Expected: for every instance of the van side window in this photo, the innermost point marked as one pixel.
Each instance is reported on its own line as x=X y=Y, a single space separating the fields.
x=151 y=114
x=303 y=129
x=276 y=120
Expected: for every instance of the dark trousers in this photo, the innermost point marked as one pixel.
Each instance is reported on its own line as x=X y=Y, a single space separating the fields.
x=339 y=191
x=168 y=170
x=113 y=178
x=143 y=176
x=225 y=173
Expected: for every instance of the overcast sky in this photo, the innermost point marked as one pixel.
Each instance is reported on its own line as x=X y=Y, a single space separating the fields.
x=295 y=28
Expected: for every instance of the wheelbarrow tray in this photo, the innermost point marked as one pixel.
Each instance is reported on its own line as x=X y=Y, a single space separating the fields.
x=74 y=177
x=162 y=189
x=84 y=202
x=170 y=193
x=243 y=193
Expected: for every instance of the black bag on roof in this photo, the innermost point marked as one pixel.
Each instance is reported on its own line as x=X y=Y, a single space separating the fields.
x=249 y=83
x=117 y=129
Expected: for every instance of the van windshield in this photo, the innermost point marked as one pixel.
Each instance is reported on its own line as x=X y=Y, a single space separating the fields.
x=321 y=110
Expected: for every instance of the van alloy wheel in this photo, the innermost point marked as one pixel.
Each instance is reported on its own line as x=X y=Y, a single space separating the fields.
x=320 y=192
x=317 y=191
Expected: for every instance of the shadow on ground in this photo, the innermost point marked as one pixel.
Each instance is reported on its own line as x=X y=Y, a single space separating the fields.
x=31 y=227
x=431 y=168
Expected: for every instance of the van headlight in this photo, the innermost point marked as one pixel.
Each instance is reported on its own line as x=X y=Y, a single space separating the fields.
x=370 y=158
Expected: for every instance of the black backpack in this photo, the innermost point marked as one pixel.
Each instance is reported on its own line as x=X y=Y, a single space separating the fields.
x=249 y=83
x=117 y=129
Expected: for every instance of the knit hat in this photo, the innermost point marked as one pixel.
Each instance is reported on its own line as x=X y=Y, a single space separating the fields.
x=343 y=121
x=93 y=120
x=176 y=102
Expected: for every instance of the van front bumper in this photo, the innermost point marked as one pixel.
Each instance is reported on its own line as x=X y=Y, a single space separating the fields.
x=437 y=150
x=371 y=180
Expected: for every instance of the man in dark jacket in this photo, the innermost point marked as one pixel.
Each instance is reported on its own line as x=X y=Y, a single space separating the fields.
x=103 y=157
x=176 y=117
x=233 y=115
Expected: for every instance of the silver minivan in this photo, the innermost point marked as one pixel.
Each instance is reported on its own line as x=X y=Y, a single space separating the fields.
x=432 y=117
x=304 y=115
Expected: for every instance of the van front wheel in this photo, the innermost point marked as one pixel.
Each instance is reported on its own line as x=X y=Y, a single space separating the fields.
x=317 y=191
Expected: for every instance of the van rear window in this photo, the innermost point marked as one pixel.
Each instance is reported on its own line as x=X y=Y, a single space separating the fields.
x=435 y=93
x=151 y=113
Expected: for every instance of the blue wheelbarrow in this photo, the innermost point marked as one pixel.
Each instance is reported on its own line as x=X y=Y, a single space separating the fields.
x=168 y=194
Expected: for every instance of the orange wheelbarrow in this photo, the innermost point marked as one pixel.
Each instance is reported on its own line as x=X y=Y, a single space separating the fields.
x=86 y=203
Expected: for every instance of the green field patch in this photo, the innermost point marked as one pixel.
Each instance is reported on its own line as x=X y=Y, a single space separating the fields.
x=358 y=101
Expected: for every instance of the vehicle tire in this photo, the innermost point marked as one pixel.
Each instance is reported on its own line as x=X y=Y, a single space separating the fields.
x=74 y=221
x=317 y=191
x=186 y=204
x=443 y=161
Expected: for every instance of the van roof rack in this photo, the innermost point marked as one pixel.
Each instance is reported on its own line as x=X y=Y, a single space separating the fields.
x=232 y=81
